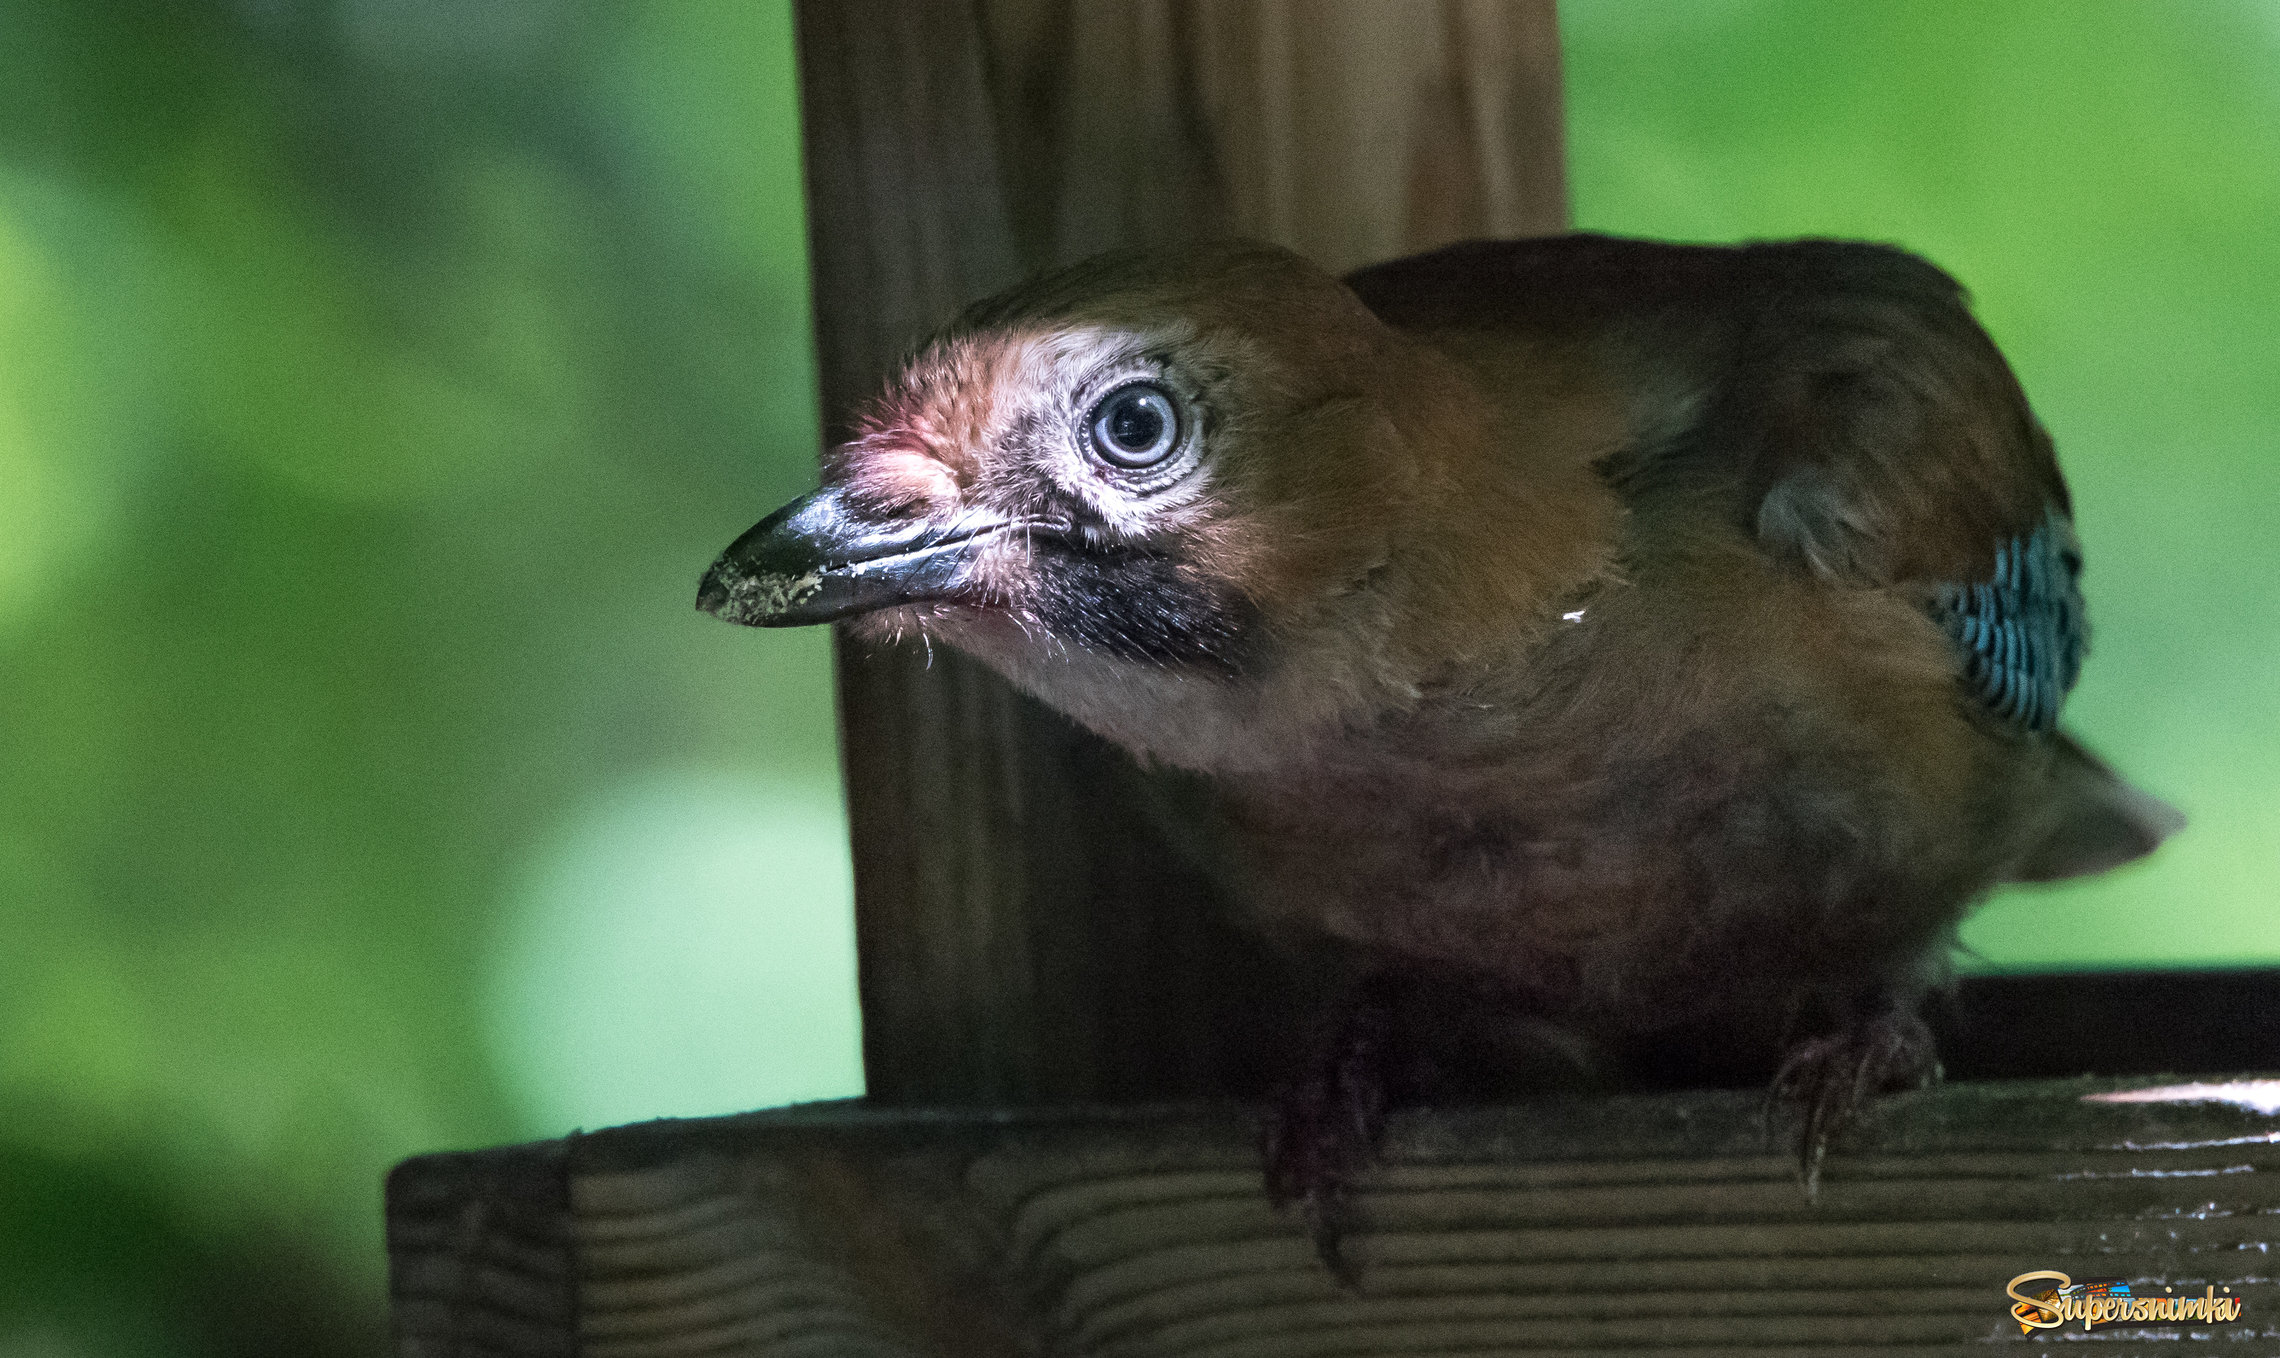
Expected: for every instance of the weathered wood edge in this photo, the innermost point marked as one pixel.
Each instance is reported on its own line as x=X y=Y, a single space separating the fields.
x=1989 y=1115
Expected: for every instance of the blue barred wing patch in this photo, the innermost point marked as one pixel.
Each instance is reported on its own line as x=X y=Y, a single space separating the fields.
x=2022 y=633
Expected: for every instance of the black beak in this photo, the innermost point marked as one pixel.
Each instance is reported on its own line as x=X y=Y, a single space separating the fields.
x=815 y=560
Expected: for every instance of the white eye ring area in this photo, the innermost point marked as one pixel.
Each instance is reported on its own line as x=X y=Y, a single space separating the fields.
x=1135 y=426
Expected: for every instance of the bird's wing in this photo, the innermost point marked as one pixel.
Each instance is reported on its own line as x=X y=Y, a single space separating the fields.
x=1841 y=402
x=1839 y=395
x=1884 y=441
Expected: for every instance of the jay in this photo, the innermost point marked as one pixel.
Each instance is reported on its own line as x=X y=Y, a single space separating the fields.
x=1664 y=643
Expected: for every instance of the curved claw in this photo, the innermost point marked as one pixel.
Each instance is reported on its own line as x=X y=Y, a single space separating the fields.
x=1831 y=1080
x=1323 y=1129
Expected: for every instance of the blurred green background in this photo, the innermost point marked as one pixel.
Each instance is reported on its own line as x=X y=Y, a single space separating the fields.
x=377 y=375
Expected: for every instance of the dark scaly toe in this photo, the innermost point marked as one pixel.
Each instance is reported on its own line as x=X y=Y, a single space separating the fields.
x=1323 y=1129
x=1828 y=1081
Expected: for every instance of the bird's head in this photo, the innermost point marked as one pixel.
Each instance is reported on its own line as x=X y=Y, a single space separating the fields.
x=1140 y=488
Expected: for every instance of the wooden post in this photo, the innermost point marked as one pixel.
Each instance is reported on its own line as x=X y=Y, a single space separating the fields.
x=1023 y=938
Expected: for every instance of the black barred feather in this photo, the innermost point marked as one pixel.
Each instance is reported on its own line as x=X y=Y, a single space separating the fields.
x=2022 y=633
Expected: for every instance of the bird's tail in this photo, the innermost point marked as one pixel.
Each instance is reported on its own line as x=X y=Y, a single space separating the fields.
x=2098 y=821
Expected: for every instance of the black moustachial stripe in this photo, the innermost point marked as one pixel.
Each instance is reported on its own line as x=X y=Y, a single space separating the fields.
x=2022 y=633
x=1138 y=605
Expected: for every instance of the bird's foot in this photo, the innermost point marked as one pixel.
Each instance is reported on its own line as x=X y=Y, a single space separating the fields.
x=1828 y=1081
x=1323 y=1129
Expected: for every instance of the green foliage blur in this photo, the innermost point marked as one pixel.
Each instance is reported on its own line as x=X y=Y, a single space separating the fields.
x=377 y=375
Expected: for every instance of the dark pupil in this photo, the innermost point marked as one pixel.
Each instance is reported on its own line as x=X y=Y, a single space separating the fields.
x=1135 y=423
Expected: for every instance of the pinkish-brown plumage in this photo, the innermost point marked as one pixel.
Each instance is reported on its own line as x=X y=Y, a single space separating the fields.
x=1663 y=641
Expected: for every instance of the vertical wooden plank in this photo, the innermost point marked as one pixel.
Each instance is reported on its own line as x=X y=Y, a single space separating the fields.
x=905 y=224
x=1024 y=936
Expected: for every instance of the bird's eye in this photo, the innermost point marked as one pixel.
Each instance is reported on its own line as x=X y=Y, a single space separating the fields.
x=1135 y=426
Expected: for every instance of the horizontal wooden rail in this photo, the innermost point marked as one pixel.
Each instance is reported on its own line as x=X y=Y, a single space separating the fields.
x=1634 y=1224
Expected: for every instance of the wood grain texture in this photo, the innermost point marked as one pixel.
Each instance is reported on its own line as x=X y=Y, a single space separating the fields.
x=1023 y=937
x=480 y=1254
x=1632 y=1225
